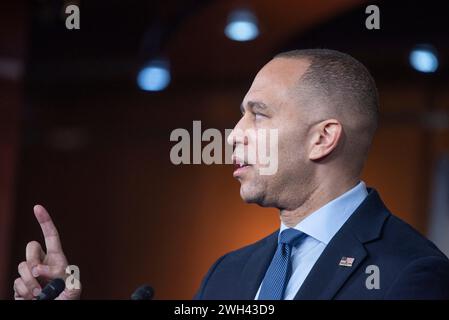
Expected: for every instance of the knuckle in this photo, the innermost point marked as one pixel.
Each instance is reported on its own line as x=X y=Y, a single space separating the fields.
x=16 y=283
x=21 y=291
x=22 y=266
x=29 y=282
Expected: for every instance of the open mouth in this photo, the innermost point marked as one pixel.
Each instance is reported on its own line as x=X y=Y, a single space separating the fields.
x=239 y=167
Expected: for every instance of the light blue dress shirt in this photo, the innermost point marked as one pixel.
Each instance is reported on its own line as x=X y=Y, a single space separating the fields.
x=320 y=227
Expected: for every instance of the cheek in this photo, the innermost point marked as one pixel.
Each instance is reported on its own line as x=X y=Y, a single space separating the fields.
x=291 y=146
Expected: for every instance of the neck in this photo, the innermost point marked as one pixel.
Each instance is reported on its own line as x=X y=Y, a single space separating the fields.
x=317 y=198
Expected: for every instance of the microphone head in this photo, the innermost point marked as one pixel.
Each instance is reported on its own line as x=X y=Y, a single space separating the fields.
x=144 y=292
x=52 y=290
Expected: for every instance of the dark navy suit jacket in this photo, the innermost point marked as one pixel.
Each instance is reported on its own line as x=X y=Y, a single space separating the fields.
x=410 y=266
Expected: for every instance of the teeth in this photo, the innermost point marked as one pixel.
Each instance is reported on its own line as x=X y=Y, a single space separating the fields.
x=240 y=163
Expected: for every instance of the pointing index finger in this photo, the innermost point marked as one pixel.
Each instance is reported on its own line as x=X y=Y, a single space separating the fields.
x=49 y=230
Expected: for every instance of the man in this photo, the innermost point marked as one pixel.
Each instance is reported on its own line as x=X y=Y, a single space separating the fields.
x=337 y=240
x=333 y=230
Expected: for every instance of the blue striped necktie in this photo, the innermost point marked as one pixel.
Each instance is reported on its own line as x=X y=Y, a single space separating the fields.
x=279 y=271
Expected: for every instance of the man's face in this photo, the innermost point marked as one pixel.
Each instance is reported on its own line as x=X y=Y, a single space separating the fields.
x=271 y=103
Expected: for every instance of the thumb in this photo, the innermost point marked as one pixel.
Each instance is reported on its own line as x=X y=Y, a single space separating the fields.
x=47 y=272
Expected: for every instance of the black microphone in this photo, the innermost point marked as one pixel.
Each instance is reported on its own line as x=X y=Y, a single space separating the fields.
x=52 y=290
x=144 y=292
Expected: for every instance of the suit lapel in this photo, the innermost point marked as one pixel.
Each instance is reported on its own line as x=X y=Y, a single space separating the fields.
x=256 y=267
x=327 y=276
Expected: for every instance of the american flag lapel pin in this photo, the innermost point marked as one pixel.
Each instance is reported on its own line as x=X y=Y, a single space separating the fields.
x=346 y=261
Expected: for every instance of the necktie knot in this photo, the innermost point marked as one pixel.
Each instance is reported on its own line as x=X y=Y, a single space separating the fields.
x=290 y=236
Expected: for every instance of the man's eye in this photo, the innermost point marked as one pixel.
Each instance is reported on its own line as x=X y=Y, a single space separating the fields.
x=259 y=116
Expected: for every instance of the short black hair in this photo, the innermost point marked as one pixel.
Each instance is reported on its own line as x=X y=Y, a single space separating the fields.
x=341 y=80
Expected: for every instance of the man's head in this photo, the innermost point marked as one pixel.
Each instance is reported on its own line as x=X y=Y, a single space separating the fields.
x=324 y=104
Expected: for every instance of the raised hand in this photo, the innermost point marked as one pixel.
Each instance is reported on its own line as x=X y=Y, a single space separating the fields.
x=41 y=267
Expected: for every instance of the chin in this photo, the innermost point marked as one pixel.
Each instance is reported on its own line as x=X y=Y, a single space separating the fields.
x=252 y=194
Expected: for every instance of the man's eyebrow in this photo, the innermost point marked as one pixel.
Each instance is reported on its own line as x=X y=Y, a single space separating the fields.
x=254 y=105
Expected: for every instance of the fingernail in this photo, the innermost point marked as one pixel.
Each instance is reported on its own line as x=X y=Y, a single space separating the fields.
x=36 y=292
x=34 y=272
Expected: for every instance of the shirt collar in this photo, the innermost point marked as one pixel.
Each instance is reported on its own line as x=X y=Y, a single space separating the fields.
x=325 y=222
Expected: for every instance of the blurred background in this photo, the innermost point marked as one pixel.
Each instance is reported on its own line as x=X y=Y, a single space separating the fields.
x=86 y=117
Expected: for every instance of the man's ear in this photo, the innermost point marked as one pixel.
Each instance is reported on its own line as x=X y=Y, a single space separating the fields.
x=325 y=138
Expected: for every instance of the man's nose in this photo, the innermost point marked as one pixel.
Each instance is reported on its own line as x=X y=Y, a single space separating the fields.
x=237 y=135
